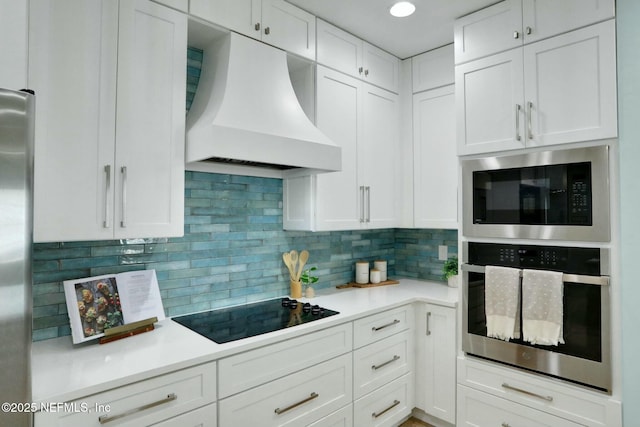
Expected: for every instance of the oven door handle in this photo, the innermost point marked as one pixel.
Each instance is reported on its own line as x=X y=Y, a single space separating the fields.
x=572 y=278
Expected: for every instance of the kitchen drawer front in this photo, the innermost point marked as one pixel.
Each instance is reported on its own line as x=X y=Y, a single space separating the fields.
x=552 y=396
x=477 y=409
x=252 y=368
x=295 y=400
x=381 y=362
x=340 y=418
x=142 y=403
x=387 y=406
x=378 y=326
x=202 y=417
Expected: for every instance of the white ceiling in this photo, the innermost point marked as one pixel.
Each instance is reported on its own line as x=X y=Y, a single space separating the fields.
x=431 y=25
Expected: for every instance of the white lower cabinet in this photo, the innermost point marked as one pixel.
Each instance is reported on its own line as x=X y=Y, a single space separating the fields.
x=156 y=400
x=294 y=400
x=479 y=409
x=387 y=406
x=206 y=416
x=436 y=353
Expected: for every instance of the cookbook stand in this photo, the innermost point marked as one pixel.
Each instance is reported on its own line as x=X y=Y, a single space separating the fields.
x=128 y=330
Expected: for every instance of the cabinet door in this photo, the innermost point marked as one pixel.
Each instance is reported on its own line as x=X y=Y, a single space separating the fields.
x=488 y=31
x=13 y=44
x=339 y=49
x=338 y=116
x=238 y=15
x=150 y=121
x=546 y=18
x=380 y=68
x=570 y=86
x=433 y=69
x=436 y=361
x=477 y=409
x=489 y=98
x=435 y=166
x=75 y=83
x=378 y=156
x=289 y=27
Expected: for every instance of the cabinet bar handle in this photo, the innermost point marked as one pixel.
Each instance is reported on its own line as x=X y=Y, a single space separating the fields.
x=528 y=393
x=518 y=138
x=428 y=318
x=123 y=222
x=368 y=189
x=516 y=34
x=362 y=203
x=529 y=114
x=366 y=72
x=393 y=405
x=267 y=30
x=107 y=196
x=295 y=405
x=103 y=419
x=505 y=425
x=376 y=367
x=360 y=69
x=257 y=26
x=377 y=328
x=529 y=30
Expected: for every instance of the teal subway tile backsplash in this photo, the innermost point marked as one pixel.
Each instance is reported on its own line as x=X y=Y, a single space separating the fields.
x=230 y=253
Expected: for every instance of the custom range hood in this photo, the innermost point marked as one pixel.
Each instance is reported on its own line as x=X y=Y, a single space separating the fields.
x=245 y=112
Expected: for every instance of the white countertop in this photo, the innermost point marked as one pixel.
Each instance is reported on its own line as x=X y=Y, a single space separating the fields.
x=63 y=372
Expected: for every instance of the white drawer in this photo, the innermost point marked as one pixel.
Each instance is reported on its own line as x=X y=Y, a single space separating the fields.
x=340 y=418
x=377 y=326
x=479 y=409
x=249 y=369
x=583 y=406
x=192 y=388
x=378 y=363
x=387 y=406
x=295 y=400
x=202 y=417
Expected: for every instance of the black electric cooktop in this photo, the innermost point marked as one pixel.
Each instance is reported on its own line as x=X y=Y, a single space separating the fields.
x=234 y=323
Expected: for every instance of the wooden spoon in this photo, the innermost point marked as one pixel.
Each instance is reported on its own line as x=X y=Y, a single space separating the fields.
x=304 y=257
x=286 y=257
x=294 y=264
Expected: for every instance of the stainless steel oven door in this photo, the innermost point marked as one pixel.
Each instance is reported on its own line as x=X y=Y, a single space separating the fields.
x=598 y=231
x=581 y=361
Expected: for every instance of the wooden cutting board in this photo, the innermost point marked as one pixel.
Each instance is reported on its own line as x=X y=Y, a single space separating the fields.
x=367 y=285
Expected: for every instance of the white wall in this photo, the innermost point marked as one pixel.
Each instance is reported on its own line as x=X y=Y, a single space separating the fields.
x=628 y=39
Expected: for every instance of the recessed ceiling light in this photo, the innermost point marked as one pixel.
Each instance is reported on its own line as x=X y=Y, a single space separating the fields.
x=402 y=9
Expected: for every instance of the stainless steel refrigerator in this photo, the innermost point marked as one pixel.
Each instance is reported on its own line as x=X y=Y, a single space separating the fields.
x=16 y=213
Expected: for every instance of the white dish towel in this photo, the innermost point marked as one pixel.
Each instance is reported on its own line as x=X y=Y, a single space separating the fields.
x=542 y=307
x=502 y=302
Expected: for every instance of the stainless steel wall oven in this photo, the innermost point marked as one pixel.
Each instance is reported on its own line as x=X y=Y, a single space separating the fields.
x=585 y=356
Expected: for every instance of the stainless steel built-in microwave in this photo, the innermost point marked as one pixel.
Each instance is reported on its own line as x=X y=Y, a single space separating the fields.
x=557 y=195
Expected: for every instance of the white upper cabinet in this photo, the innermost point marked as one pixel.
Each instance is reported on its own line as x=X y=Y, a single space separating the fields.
x=556 y=91
x=364 y=121
x=276 y=22
x=109 y=163
x=346 y=53
x=433 y=69
x=512 y=23
x=13 y=44
x=435 y=167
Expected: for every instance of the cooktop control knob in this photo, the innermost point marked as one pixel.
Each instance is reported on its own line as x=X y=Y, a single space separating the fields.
x=316 y=310
x=306 y=307
x=285 y=302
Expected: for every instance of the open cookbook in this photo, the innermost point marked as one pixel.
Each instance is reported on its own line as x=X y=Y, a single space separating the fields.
x=102 y=302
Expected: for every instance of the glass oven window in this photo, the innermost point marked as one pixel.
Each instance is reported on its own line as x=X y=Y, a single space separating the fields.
x=582 y=326
x=537 y=195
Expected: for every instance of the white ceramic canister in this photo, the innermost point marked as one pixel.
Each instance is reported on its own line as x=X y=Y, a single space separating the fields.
x=375 y=276
x=362 y=272
x=381 y=266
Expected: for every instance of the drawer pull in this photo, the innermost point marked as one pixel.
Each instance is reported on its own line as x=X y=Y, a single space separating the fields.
x=377 y=328
x=528 y=393
x=376 y=367
x=103 y=419
x=393 y=405
x=295 y=405
x=505 y=425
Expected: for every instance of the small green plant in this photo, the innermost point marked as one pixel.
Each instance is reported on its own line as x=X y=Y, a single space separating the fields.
x=307 y=278
x=450 y=267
